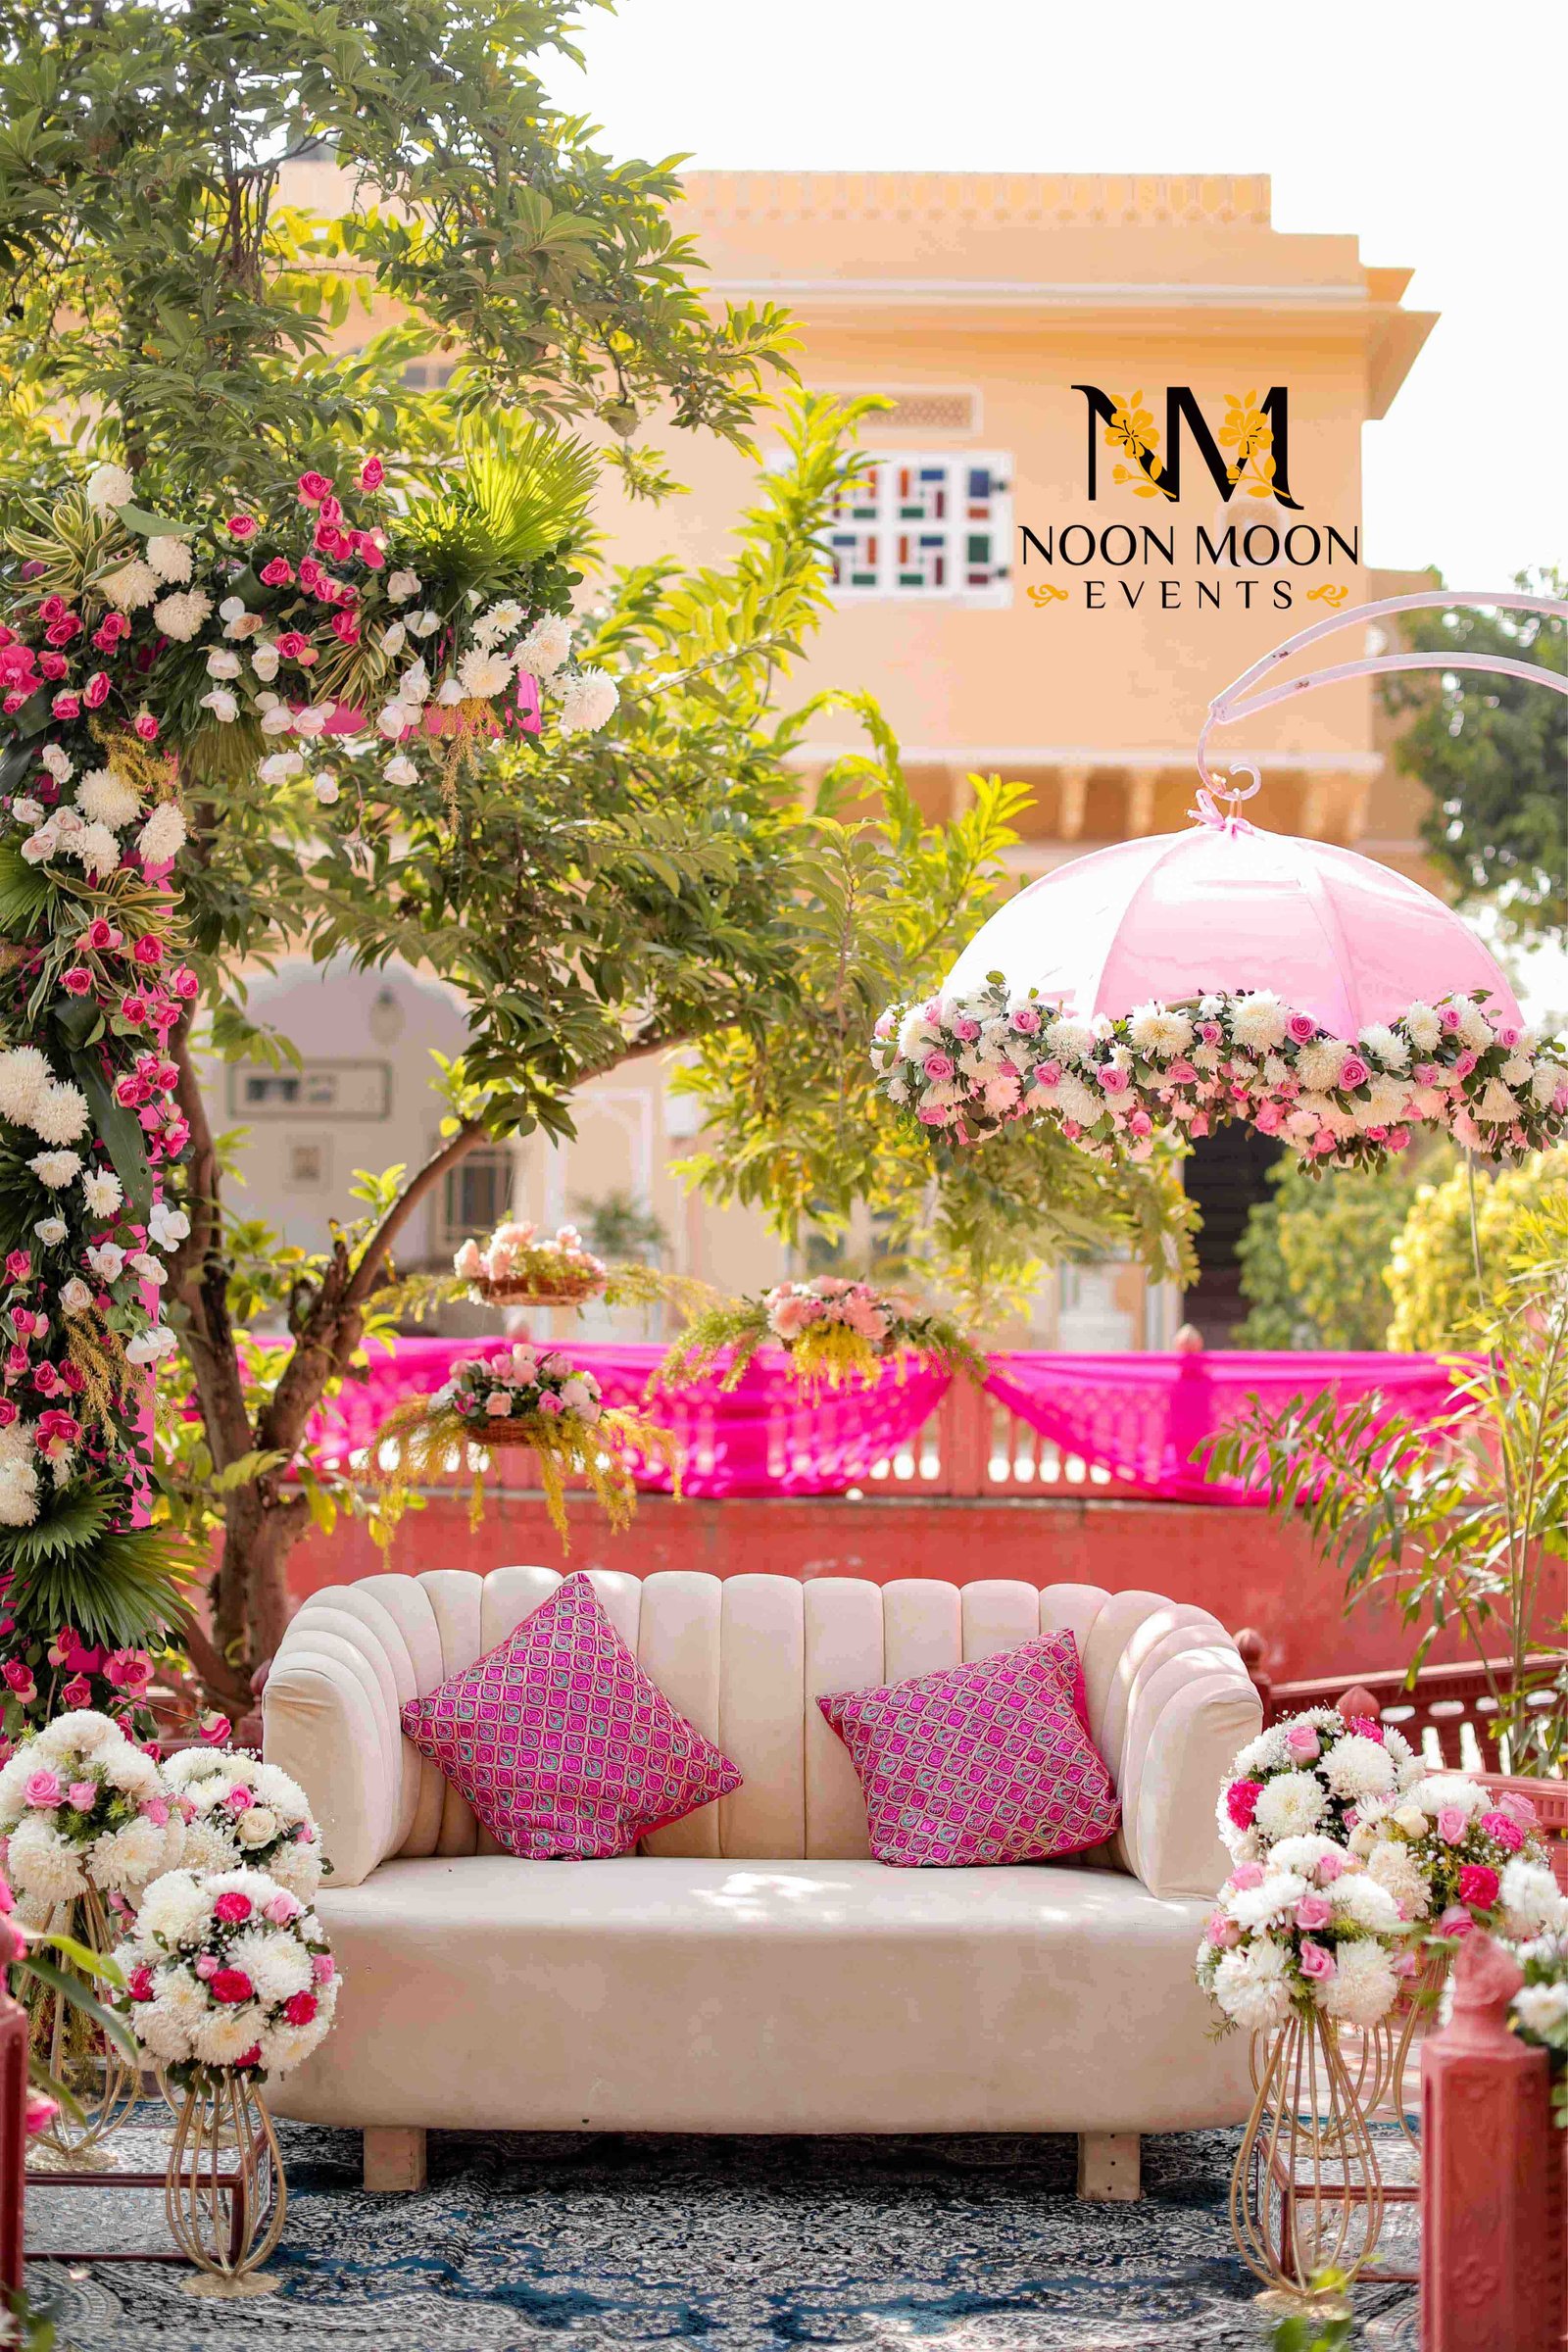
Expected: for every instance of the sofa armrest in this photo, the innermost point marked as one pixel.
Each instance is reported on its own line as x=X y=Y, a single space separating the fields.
x=329 y=1715
x=1191 y=1707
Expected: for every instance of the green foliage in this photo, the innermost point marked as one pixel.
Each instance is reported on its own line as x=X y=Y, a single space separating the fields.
x=116 y=1585
x=618 y=1225
x=1315 y=1256
x=1459 y=1520
x=1431 y=1274
x=520 y=496
x=199 y=207
x=1494 y=754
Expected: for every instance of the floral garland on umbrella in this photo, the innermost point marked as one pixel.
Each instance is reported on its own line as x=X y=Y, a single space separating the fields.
x=523 y=1396
x=964 y=1068
x=832 y=1332
x=130 y=642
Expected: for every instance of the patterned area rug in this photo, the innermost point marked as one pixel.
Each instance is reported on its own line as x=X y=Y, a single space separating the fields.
x=737 y=2245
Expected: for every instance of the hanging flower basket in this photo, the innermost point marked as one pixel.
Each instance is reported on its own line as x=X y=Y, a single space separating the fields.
x=519 y=1267
x=834 y=1333
x=525 y=1398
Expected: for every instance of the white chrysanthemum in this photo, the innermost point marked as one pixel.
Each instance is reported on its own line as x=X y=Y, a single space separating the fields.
x=1527 y=1894
x=101 y=1190
x=62 y=1117
x=275 y=1962
x=1068 y=1040
x=80 y=1731
x=14 y=1778
x=39 y=1863
x=482 y=674
x=1385 y=1044
x=1318 y=1065
x=279 y=1789
x=169 y=559
x=227 y=2032
x=161 y=2032
x=283 y=2047
x=1496 y=1105
x=1358 y=1766
x=128 y=1857
x=1474 y=1030
x=181 y=1992
x=106 y=798
x=96 y=848
x=1393 y=1865
x=182 y=614
x=1387 y=1103
x=18 y=1495
x=498 y=622
x=297 y=1868
x=1303 y=1854
x=1155 y=1030
x=1541 y=2008
x=254 y=1883
x=163 y=836
x=1359 y=1898
x=1261 y=1906
x=133 y=585
x=109 y=487
x=177 y=1908
x=546 y=647
x=26 y=1077
x=1251 y=1988
x=55 y=1169
x=1362 y=1987
x=209 y=1845
x=1423 y=1028
x=1292 y=1803
x=130 y=1770
x=1257 y=1021
x=194 y=1764
x=588 y=702
x=1441 y=1789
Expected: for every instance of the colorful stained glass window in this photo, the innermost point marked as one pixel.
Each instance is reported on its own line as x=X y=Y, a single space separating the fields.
x=919 y=523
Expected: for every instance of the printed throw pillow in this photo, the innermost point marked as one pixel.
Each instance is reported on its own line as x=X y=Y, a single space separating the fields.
x=560 y=1741
x=985 y=1763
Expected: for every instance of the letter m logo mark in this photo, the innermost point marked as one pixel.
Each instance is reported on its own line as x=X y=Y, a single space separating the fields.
x=1250 y=453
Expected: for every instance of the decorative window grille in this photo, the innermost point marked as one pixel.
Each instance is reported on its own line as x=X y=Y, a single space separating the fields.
x=475 y=1196
x=925 y=524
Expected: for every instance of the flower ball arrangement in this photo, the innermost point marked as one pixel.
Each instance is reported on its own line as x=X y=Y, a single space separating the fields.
x=239 y=1811
x=832 y=1331
x=525 y=1397
x=1310 y=1927
x=227 y=1972
x=81 y=1806
x=1456 y=1856
x=964 y=1068
x=518 y=1266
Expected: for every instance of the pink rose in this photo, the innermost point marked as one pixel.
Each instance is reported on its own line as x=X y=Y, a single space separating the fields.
x=965 y=1031
x=1139 y=1124
x=239 y=1798
x=1456 y=1921
x=323 y=1968
x=242 y=527
x=937 y=1068
x=1464 y=1065
x=1521 y=1808
x=145 y=726
x=38 y=2113
x=1247 y=1875
x=1048 y=1074
x=1313 y=1911
x=1353 y=1071
x=139 y=1983
x=129 y=1670
x=17 y=1677
x=1478 y=1885
x=1221 y=1931
x=207 y=1966
x=1300 y=1028
x=1113 y=1081
x=1329 y=1868
x=283 y=1907
x=149 y=949
x=277 y=572
x=77 y=1692
x=1318 y=1962
x=1453 y=1823
x=1241 y=1802
x=1303 y=1743
x=1406 y=1963
x=1269 y=1118
x=232 y=1907
x=76 y=981
x=1399 y=1139
x=84 y=1795
x=373 y=474
x=313 y=488
x=1026 y=1021
x=156 y=1810
x=96 y=693
x=43 y=1790
x=1450 y=1016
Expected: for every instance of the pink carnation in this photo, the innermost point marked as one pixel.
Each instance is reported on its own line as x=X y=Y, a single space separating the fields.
x=1478 y=1885
x=232 y=1907
x=1241 y=1802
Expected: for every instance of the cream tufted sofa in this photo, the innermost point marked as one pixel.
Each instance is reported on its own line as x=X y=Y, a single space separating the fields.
x=752 y=1970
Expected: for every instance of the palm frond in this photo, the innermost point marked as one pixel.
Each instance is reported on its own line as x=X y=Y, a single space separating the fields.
x=522 y=495
x=118 y=1589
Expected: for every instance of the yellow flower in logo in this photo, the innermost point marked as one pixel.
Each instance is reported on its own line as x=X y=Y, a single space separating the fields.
x=1132 y=429
x=1248 y=431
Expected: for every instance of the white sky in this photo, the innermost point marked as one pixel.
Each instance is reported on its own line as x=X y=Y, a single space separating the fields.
x=1434 y=134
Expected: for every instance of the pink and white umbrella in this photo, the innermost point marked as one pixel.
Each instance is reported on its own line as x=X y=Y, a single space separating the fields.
x=1228 y=972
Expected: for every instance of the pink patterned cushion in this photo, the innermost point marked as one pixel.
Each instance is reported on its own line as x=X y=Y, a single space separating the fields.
x=991 y=1762
x=560 y=1741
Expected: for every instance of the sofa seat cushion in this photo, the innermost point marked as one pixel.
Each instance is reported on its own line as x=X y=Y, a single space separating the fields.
x=990 y=1762
x=697 y=1994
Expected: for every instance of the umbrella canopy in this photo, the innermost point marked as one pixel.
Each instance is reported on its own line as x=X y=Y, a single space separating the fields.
x=1223 y=909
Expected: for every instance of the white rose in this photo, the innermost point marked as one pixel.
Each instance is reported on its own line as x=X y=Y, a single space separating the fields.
x=58 y=763
x=223 y=706
x=393 y=639
x=401 y=772
x=327 y=790
x=401 y=585
x=27 y=811
x=424 y=625
x=263 y=661
x=51 y=1231
x=222 y=662
x=393 y=719
x=279 y=766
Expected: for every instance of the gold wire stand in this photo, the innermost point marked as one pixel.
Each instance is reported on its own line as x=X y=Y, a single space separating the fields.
x=1307 y=2194
x=226 y=2217
x=77 y=2055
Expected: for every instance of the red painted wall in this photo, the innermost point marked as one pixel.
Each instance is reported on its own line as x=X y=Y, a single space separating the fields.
x=1247 y=1568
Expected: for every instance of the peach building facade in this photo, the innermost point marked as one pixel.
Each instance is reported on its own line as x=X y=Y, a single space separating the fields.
x=1008 y=620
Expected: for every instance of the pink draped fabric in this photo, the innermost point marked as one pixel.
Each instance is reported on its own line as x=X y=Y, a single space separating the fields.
x=1139 y=1417
x=758 y=1438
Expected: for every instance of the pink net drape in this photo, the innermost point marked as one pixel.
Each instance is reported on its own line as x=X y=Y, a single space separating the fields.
x=1135 y=1418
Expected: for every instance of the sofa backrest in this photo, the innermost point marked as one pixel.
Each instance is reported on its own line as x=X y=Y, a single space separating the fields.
x=743 y=1657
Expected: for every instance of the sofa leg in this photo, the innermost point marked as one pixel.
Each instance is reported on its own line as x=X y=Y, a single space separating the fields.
x=1108 y=2166
x=394 y=2156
